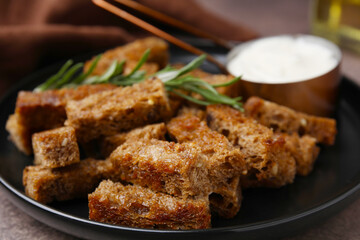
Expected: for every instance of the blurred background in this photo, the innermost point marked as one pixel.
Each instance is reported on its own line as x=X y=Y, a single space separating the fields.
x=35 y=34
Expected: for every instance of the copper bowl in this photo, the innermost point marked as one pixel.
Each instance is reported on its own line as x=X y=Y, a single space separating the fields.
x=315 y=96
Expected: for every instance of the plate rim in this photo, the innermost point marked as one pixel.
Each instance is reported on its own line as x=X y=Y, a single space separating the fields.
x=350 y=191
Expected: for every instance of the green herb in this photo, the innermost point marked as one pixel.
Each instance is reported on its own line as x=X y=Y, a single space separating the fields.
x=53 y=79
x=174 y=80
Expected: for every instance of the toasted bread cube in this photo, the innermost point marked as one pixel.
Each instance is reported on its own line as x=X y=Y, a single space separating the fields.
x=132 y=52
x=304 y=150
x=19 y=135
x=225 y=200
x=153 y=131
x=56 y=148
x=46 y=185
x=136 y=206
x=41 y=111
x=224 y=162
x=192 y=110
x=117 y=110
x=269 y=163
x=176 y=169
x=285 y=120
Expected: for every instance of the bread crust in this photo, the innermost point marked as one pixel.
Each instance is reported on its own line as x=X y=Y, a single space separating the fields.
x=121 y=109
x=136 y=206
x=56 y=148
x=224 y=162
x=36 y=112
x=46 y=185
x=269 y=163
x=131 y=53
x=153 y=131
x=304 y=150
x=173 y=168
x=286 y=120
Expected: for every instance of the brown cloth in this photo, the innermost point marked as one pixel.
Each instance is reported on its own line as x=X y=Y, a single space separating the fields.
x=34 y=33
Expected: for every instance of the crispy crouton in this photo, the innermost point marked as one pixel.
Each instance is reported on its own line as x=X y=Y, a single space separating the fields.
x=19 y=134
x=173 y=168
x=225 y=200
x=59 y=184
x=132 y=52
x=41 y=111
x=193 y=110
x=269 y=163
x=286 y=120
x=154 y=131
x=223 y=161
x=56 y=148
x=304 y=150
x=118 y=110
x=136 y=206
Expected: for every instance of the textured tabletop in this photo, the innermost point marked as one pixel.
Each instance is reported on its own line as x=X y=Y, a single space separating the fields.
x=268 y=18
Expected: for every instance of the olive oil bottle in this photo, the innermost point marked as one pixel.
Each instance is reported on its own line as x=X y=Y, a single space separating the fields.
x=338 y=21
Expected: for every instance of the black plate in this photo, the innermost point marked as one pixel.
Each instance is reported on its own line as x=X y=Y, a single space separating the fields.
x=269 y=213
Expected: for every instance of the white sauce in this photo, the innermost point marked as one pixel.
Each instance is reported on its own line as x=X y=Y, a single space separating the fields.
x=284 y=59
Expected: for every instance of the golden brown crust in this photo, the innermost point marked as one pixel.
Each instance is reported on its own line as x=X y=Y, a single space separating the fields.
x=192 y=110
x=117 y=110
x=176 y=169
x=41 y=111
x=224 y=162
x=110 y=143
x=269 y=163
x=304 y=150
x=286 y=120
x=59 y=184
x=56 y=148
x=19 y=134
x=132 y=52
x=135 y=206
x=225 y=200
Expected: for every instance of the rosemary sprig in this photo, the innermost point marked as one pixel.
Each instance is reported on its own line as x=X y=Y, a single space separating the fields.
x=173 y=79
x=53 y=79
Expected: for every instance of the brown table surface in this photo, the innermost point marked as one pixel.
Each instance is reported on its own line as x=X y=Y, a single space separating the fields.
x=268 y=18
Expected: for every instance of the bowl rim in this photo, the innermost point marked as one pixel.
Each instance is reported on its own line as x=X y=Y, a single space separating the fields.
x=325 y=42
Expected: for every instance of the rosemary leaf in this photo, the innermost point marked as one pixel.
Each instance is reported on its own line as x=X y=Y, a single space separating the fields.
x=169 y=75
x=104 y=77
x=191 y=80
x=92 y=67
x=189 y=98
x=50 y=81
x=173 y=79
x=67 y=76
x=231 y=82
x=141 y=62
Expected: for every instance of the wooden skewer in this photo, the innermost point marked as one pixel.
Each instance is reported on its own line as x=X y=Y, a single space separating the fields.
x=156 y=31
x=174 y=22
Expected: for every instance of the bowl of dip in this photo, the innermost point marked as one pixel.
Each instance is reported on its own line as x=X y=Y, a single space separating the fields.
x=298 y=71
